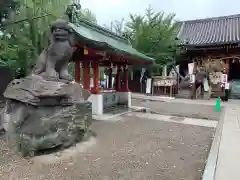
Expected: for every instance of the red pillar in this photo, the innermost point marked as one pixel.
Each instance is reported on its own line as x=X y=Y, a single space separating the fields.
x=77 y=70
x=118 y=83
x=86 y=75
x=96 y=78
x=126 y=79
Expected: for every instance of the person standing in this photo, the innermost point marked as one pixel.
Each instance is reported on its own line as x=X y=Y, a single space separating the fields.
x=224 y=81
x=227 y=91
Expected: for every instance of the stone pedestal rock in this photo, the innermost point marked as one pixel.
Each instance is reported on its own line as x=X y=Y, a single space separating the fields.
x=42 y=114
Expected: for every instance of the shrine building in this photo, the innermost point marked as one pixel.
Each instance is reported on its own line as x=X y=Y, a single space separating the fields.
x=213 y=41
x=99 y=48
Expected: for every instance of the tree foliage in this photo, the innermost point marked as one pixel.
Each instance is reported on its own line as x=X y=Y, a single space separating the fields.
x=26 y=32
x=88 y=15
x=6 y=7
x=153 y=34
x=20 y=42
x=26 y=36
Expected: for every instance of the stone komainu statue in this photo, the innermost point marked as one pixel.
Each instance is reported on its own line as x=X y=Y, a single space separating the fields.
x=43 y=113
x=53 y=61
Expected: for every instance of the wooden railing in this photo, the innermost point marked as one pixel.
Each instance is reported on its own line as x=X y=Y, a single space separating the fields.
x=164 y=85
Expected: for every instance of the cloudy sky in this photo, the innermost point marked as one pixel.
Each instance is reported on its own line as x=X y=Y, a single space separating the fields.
x=108 y=10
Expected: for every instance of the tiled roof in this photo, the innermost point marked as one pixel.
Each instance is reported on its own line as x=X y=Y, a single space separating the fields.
x=99 y=37
x=211 y=31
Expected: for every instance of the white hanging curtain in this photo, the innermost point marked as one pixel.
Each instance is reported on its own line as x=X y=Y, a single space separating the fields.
x=190 y=68
x=206 y=85
x=142 y=74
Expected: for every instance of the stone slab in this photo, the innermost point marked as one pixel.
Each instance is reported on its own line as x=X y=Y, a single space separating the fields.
x=210 y=168
x=228 y=162
x=34 y=90
x=178 y=108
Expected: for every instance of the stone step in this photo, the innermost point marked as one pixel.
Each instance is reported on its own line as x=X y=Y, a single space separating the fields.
x=185 y=94
x=205 y=96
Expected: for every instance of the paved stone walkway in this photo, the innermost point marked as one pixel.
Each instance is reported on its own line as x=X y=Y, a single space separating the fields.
x=228 y=162
x=183 y=109
x=187 y=101
x=172 y=99
x=228 y=152
x=175 y=119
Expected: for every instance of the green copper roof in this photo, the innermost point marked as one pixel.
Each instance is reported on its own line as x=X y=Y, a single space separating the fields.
x=99 y=37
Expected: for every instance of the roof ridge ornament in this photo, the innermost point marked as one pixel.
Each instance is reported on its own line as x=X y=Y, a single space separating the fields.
x=73 y=10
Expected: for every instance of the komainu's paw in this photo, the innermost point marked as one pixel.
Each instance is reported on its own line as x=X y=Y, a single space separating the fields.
x=66 y=76
x=52 y=74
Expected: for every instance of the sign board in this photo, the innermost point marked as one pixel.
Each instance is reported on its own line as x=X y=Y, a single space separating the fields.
x=148 y=85
x=85 y=51
x=224 y=78
x=163 y=82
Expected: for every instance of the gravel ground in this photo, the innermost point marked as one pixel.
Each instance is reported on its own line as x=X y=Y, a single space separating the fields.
x=131 y=148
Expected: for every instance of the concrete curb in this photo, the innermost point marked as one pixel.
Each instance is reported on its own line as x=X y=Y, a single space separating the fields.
x=210 y=168
x=162 y=99
x=108 y=117
x=194 y=116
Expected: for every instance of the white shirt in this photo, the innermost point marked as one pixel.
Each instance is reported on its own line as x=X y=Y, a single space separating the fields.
x=226 y=85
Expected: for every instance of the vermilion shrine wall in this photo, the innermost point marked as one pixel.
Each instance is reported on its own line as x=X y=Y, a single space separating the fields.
x=103 y=99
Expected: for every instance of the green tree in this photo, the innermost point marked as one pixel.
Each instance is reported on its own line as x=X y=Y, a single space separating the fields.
x=6 y=7
x=88 y=15
x=25 y=30
x=24 y=39
x=154 y=34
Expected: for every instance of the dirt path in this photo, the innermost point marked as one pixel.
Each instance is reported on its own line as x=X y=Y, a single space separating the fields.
x=131 y=148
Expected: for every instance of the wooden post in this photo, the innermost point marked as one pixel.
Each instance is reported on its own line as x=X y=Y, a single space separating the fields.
x=110 y=76
x=118 y=83
x=77 y=70
x=86 y=75
x=96 y=78
x=227 y=65
x=193 y=88
x=171 y=91
x=126 y=89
